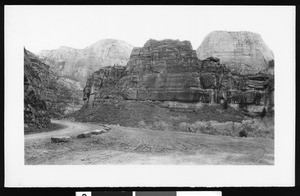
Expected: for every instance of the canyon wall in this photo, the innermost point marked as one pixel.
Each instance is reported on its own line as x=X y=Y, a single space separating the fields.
x=78 y=64
x=46 y=95
x=169 y=70
x=241 y=51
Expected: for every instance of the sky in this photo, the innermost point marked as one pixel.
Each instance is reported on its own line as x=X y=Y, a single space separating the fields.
x=49 y=27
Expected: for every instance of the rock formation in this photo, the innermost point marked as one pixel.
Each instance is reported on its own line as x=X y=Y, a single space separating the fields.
x=166 y=70
x=169 y=70
x=35 y=109
x=244 y=52
x=252 y=92
x=46 y=95
x=78 y=64
x=102 y=84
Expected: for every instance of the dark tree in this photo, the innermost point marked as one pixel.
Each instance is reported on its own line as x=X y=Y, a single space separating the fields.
x=225 y=104
x=263 y=113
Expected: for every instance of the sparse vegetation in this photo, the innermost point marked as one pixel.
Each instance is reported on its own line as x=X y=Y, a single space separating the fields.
x=246 y=128
x=207 y=119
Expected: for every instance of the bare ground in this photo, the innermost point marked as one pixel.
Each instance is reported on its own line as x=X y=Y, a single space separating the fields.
x=126 y=145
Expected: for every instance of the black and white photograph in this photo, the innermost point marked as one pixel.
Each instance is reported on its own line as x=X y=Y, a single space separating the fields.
x=165 y=86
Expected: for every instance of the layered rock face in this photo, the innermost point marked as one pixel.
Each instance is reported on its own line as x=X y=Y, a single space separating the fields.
x=169 y=70
x=103 y=84
x=252 y=92
x=78 y=64
x=166 y=70
x=35 y=108
x=46 y=95
x=244 y=52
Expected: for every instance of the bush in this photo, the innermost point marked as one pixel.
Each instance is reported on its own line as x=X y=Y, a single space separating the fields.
x=243 y=133
x=263 y=113
x=248 y=128
x=225 y=104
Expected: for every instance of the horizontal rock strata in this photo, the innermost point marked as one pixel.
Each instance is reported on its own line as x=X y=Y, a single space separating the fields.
x=169 y=70
x=164 y=70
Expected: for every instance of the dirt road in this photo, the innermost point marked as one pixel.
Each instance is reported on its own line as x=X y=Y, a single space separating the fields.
x=124 y=145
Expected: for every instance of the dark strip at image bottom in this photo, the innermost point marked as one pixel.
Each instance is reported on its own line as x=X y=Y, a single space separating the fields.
x=150 y=193
x=155 y=193
x=138 y=193
x=112 y=193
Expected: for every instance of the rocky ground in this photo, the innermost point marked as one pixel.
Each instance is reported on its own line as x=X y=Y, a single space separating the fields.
x=125 y=145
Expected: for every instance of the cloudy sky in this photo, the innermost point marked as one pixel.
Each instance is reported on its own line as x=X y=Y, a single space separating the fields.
x=49 y=27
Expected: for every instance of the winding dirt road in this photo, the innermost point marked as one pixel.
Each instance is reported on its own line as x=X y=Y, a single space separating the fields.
x=124 y=145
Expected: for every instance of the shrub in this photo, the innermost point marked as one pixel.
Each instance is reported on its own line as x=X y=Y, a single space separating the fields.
x=243 y=133
x=225 y=104
x=248 y=128
x=263 y=113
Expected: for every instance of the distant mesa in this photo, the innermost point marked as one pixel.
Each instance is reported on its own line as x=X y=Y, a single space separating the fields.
x=78 y=64
x=242 y=51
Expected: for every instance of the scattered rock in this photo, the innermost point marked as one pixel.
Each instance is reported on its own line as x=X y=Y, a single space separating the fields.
x=106 y=128
x=60 y=139
x=97 y=132
x=84 y=135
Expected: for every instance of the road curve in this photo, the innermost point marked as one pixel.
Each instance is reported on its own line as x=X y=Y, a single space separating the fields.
x=126 y=145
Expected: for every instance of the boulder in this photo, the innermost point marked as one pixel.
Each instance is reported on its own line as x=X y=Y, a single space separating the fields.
x=84 y=135
x=97 y=132
x=59 y=139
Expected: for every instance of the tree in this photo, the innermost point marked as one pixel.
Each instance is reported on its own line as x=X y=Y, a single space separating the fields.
x=263 y=113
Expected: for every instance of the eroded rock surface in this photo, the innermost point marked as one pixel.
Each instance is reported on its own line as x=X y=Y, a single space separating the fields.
x=35 y=107
x=164 y=70
x=252 y=92
x=242 y=51
x=103 y=84
x=78 y=64
x=46 y=95
x=169 y=70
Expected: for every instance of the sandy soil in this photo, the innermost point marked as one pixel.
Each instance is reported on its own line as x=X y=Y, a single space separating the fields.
x=125 y=145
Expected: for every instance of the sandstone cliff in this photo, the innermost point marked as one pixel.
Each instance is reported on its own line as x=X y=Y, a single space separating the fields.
x=35 y=108
x=46 y=95
x=169 y=70
x=102 y=84
x=78 y=64
x=244 y=52
x=166 y=70
x=252 y=92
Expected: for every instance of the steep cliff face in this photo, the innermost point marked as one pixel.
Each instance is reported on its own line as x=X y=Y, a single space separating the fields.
x=169 y=70
x=35 y=108
x=252 y=92
x=244 y=52
x=164 y=70
x=46 y=95
x=78 y=64
x=103 y=84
